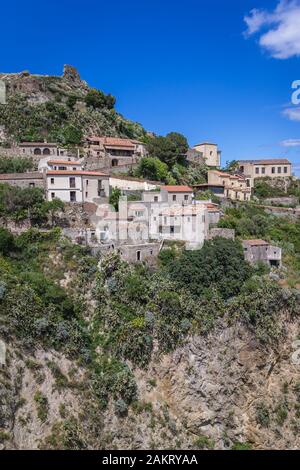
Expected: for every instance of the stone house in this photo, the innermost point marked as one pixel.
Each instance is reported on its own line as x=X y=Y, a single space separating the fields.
x=260 y=250
x=272 y=168
x=111 y=152
x=32 y=179
x=208 y=153
x=62 y=165
x=39 y=149
x=77 y=185
x=236 y=187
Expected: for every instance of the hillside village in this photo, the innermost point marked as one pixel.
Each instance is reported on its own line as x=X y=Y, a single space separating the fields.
x=149 y=212
x=149 y=295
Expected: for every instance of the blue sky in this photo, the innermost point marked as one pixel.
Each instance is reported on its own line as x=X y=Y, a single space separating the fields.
x=184 y=66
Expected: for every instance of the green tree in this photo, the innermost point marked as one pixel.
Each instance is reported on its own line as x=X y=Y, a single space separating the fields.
x=152 y=169
x=170 y=149
x=219 y=264
x=15 y=164
x=6 y=241
x=72 y=135
x=114 y=198
x=97 y=99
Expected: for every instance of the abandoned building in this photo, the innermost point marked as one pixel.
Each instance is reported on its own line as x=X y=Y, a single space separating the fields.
x=33 y=179
x=236 y=187
x=205 y=152
x=111 y=152
x=260 y=250
x=272 y=168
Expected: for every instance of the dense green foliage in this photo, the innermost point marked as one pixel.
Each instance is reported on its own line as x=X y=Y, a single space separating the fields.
x=28 y=203
x=279 y=187
x=218 y=265
x=153 y=169
x=98 y=100
x=15 y=165
x=170 y=149
x=250 y=221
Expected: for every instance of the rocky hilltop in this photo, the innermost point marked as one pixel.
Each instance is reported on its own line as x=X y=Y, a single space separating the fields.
x=59 y=108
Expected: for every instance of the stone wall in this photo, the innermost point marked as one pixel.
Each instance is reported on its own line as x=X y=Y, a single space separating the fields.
x=221 y=232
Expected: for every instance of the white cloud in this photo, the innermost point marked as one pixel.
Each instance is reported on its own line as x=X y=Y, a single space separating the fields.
x=290 y=143
x=293 y=114
x=280 y=29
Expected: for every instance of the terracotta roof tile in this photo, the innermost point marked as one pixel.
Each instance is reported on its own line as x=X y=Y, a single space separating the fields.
x=77 y=173
x=177 y=189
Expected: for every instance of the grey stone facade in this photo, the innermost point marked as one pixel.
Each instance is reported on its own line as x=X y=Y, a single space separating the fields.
x=260 y=250
x=24 y=180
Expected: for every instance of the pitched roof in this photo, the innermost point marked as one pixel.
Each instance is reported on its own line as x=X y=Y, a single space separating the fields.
x=63 y=162
x=21 y=176
x=270 y=161
x=177 y=189
x=205 y=143
x=75 y=173
x=257 y=242
x=37 y=144
x=113 y=141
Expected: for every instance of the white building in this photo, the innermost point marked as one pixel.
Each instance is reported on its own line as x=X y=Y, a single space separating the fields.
x=56 y=164
x=76 y=185
x=126 y=183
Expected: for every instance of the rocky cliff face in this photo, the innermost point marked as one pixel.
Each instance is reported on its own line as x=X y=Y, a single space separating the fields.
x=54 y=108
x=220 y=392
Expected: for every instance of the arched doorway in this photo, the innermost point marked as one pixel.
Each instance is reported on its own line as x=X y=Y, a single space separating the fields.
x=46 y=151
x=37 y=151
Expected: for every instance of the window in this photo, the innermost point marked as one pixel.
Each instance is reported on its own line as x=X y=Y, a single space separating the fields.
x=273 y=169
x=31 y=185
x=73 y=196
x=74 y=169
x=72 y=182
x=172 y=229
x=87 y=182
x=155 y=198
x=52 y=195
x=263 y=170
x=186 y=197
x=279 y=169
x=138 y=256
x=52 y=180
x=151 y=252
x=257 y=171
x=174 y=197
x=86 y=194
x=248 y=183
x=285 y=169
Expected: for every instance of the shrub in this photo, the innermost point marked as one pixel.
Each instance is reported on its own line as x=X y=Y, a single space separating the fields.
x=42 y=406
x=7 y=243
x=263 y=415
x=203 y=442
x=220 y=264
